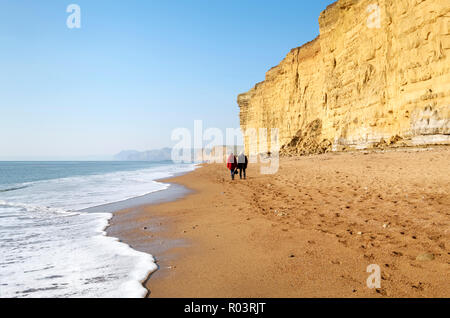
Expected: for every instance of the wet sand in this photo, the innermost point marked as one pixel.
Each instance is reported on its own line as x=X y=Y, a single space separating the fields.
x=311 y=230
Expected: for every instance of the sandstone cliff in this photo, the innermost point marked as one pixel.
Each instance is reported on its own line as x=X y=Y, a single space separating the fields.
x=364 y=82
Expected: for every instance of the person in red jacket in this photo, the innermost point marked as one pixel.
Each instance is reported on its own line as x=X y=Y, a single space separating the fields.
x=232 y=165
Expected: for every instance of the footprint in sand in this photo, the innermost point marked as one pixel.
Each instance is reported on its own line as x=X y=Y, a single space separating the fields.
x=397 y=254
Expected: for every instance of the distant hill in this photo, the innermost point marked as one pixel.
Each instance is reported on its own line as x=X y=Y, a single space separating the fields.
x=151 y=155
x=165 y=154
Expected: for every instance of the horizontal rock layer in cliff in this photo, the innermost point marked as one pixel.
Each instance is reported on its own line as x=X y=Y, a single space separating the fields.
x=378 y=74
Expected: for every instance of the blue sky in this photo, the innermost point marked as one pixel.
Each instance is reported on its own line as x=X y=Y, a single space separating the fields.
x=135 y=70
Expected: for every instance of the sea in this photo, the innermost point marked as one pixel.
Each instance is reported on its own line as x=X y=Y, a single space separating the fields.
x=51 y=246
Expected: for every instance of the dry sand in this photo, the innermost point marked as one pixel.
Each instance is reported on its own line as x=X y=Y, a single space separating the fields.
x=311 y=230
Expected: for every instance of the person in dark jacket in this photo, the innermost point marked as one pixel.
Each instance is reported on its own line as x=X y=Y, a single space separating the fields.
x=242 y=164
x=232 y=165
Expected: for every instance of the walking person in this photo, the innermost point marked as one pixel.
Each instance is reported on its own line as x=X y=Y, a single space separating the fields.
x=232 y=165
x=242 y=164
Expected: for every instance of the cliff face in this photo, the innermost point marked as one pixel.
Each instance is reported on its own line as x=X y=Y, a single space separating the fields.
x=363 y=82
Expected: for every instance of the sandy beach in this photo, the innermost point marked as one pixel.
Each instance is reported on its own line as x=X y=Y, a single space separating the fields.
x=311 y=230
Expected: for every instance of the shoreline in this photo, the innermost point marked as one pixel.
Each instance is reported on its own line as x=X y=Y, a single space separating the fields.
x=116 y=227
x=171 y=193
x=309 y=231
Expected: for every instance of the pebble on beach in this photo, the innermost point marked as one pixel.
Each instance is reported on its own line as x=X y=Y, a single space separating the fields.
x=425 y=257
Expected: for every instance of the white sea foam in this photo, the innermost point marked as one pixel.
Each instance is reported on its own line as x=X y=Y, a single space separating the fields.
x=49 y=249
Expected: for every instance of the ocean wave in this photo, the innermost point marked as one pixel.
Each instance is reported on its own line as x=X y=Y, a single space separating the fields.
x=13 y=189
x=35 y=208
x=51 y=249
x=71 y=257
